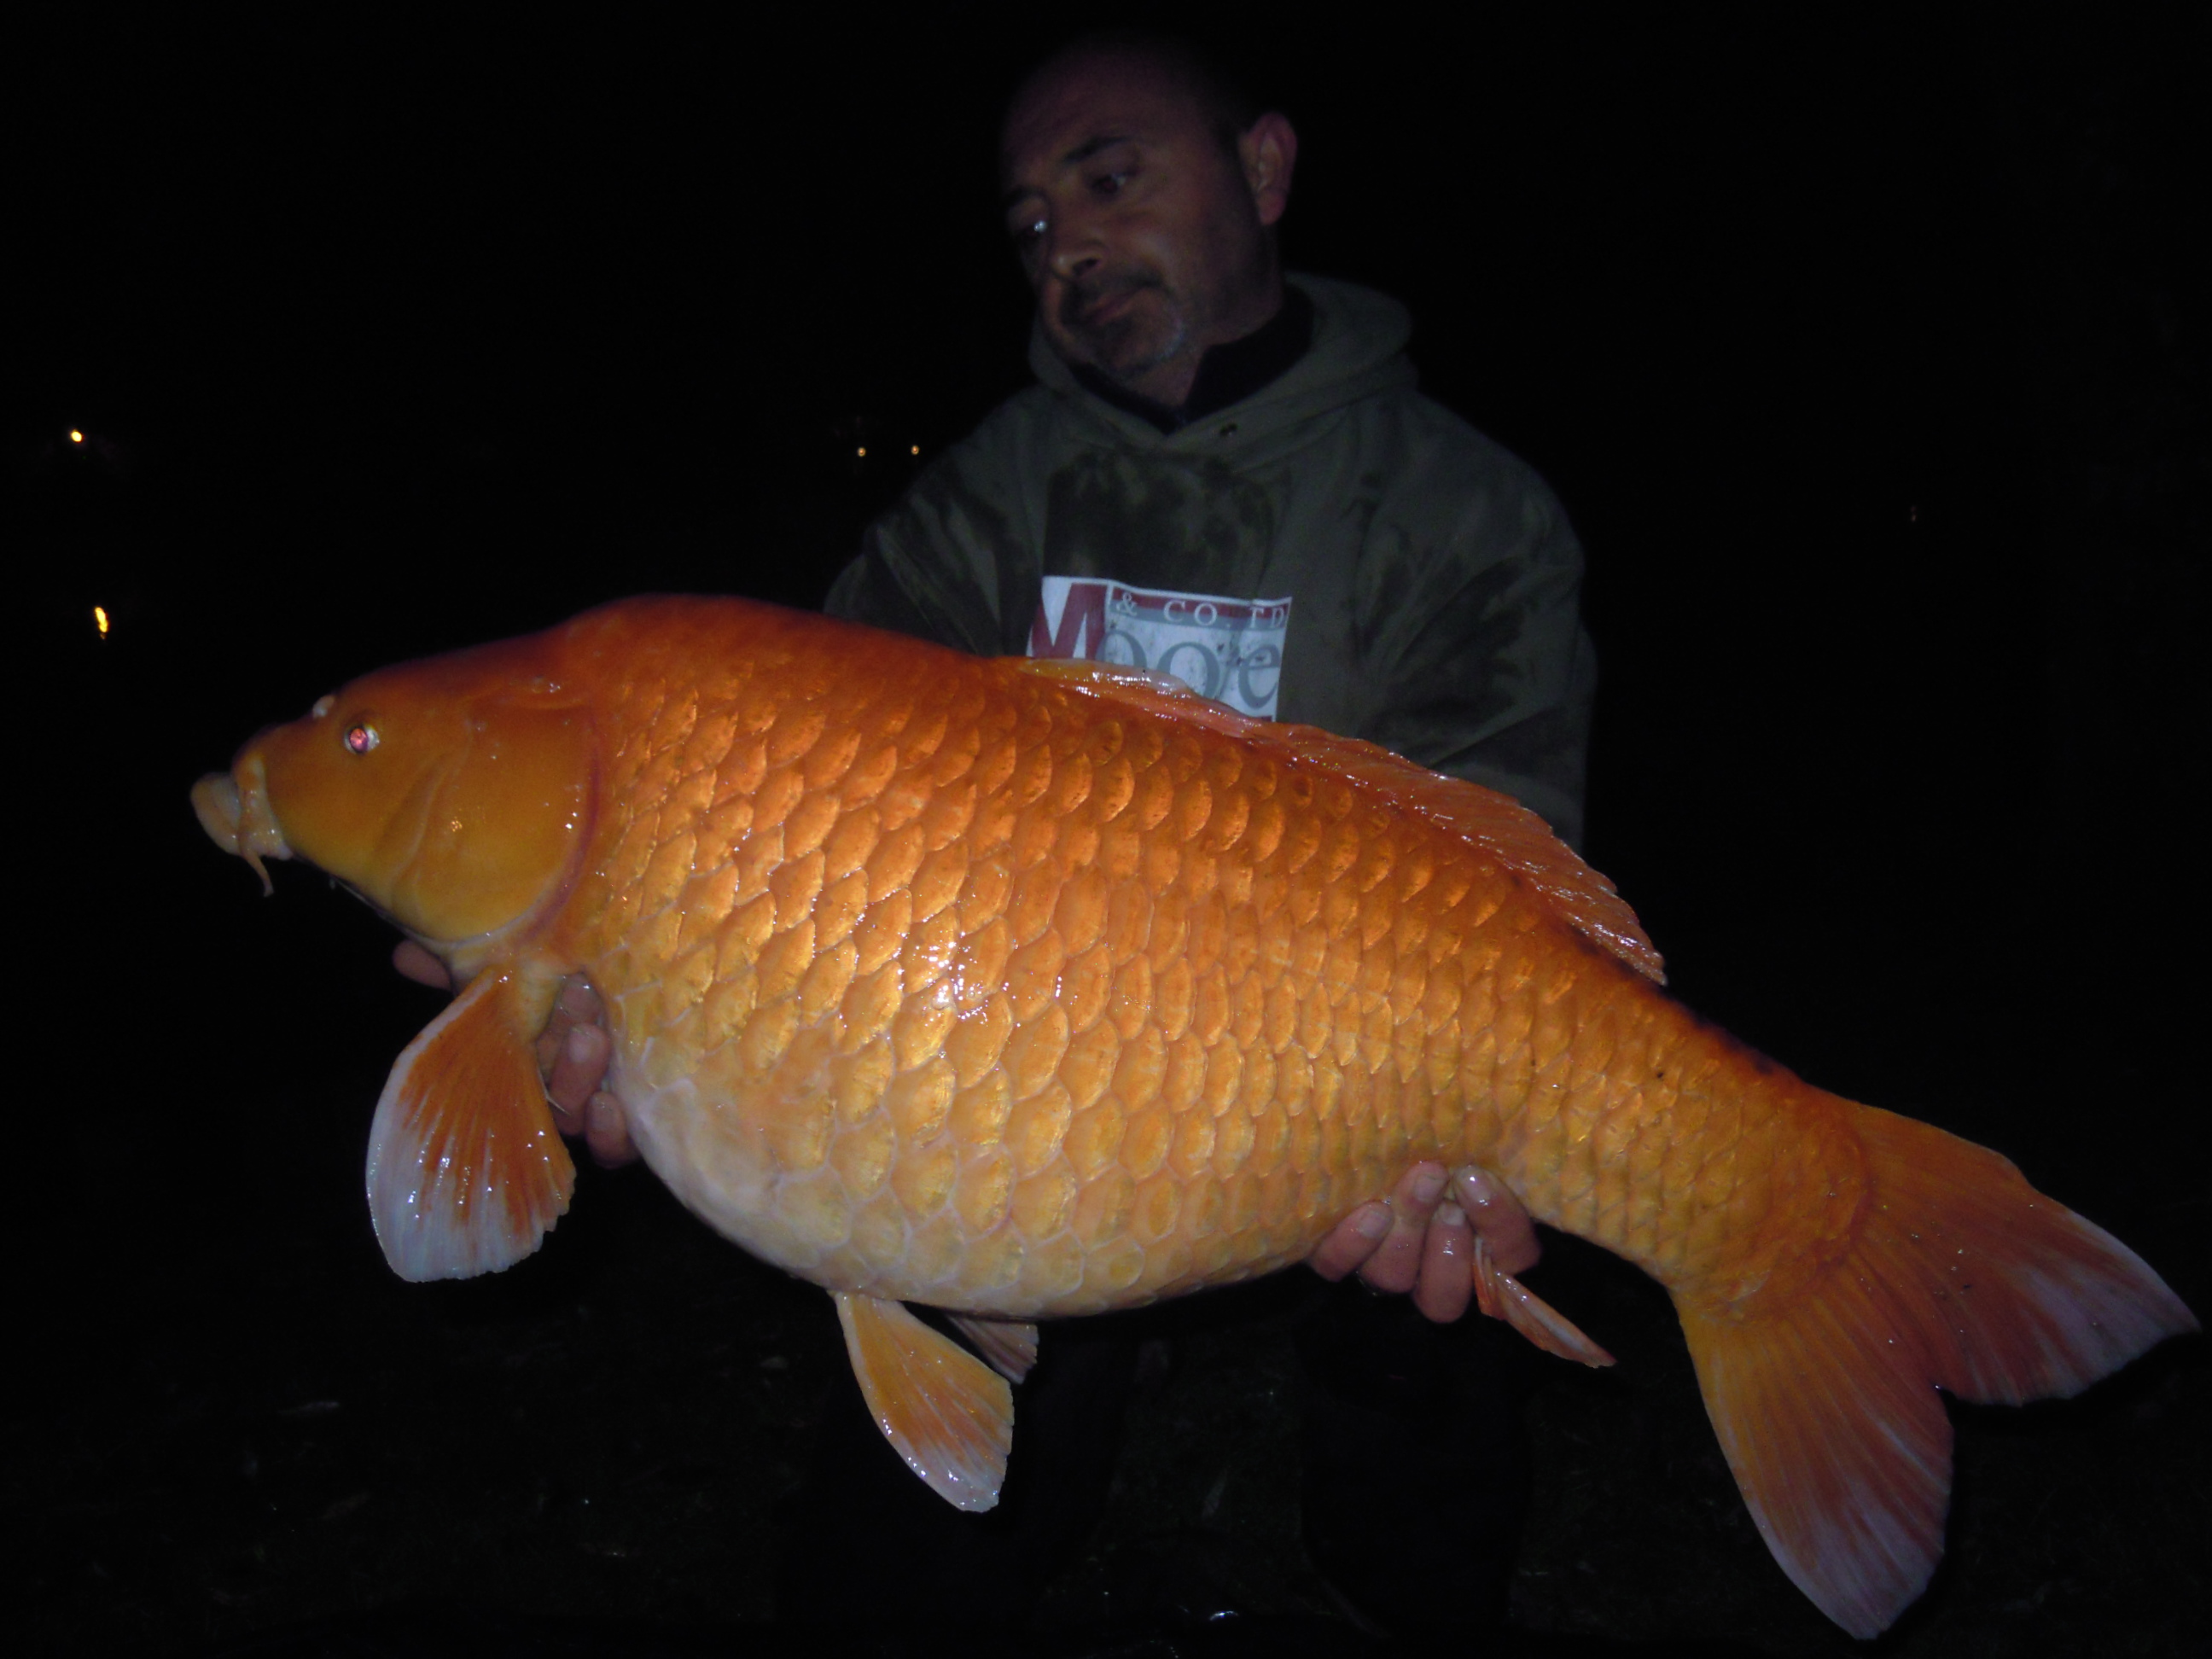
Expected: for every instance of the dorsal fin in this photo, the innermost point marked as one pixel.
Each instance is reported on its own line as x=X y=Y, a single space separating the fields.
x=1508 y=831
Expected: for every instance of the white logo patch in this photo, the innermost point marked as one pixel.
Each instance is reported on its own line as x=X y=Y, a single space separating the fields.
x=1231 y=650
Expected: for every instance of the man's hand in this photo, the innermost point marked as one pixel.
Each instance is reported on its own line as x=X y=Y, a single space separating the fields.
x=1417 y=1240
x=572 y=1057
x=572 y=1052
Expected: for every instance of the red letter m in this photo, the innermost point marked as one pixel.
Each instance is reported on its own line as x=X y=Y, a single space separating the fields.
x=1085 y=608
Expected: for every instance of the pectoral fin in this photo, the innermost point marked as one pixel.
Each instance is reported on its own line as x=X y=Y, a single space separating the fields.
x=466 y=1173
x=1010 y=1346
x=1503 y=1297
x=948 y=1414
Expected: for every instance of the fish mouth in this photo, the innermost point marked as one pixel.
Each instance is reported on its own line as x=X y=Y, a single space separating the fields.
x=233 y=809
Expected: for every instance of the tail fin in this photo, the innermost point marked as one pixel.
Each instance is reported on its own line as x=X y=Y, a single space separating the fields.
x=1963 y=1276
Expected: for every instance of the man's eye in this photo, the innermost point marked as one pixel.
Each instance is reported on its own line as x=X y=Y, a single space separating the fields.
x=1109 y=184
x=1029 y=232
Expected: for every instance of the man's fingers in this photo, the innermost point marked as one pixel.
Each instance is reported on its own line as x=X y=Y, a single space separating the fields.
x=606 y=1131
x=1352 y=1241
x=419 y=965
x=580 y=1066
x=1396 y=1263
x=1446 y=1282
x=1498 y=1217
x=579 y=1002
x=1416 y=1240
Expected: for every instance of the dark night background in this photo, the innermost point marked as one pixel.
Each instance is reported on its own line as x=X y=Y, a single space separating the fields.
x=1868 y=355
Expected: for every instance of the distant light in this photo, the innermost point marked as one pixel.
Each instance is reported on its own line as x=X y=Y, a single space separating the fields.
x=99 y=619
x=862 y=452
x=916 y=450
x=75 y=436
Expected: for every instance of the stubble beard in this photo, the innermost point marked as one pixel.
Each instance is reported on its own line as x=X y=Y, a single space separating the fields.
x=1127 y=347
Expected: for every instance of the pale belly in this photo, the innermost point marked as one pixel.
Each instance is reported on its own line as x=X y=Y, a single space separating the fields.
x=906 y=1225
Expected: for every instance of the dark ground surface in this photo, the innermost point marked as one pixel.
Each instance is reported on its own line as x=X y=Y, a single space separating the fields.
x=1871 y=363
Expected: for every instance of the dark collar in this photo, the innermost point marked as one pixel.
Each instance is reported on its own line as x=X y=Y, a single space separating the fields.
x=1227 y=373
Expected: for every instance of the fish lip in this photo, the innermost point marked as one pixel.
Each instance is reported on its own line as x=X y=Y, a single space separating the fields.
x=234 y=809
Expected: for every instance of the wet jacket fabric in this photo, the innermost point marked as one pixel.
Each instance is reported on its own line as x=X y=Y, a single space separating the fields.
x=1434 y=578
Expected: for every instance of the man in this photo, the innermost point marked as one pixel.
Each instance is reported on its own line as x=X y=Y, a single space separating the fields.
x=1229 y=477
x=1202 y=429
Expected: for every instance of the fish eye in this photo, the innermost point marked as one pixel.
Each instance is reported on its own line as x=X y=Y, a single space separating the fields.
x=361 y=739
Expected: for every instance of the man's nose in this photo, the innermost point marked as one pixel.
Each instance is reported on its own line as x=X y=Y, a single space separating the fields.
x=1073 y=249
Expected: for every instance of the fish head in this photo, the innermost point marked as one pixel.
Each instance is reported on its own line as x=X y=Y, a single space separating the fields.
x=452 y=794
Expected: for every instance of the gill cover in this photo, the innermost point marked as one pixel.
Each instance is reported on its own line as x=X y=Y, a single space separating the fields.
x=453 y=794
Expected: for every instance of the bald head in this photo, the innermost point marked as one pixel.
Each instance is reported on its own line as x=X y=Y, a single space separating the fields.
x=1141 y=195
x=1221 y=101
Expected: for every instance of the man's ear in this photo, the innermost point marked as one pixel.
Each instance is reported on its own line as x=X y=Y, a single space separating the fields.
x=1269 y=151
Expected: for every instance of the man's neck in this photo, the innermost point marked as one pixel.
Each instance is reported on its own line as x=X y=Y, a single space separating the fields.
x=1224 y=374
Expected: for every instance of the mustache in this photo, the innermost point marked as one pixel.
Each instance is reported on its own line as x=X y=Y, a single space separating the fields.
x=1081 y=298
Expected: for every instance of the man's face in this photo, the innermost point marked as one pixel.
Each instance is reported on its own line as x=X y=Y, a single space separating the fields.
x=1145 y=239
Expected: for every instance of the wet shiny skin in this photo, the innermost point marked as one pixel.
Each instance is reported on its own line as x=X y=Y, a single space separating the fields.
x=944 y=982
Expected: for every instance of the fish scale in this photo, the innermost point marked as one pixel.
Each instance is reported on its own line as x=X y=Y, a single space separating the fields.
x=1076 y=1097
x=1032 y=988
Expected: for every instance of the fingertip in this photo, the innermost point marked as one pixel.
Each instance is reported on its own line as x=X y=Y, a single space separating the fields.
x=412 y=962
x=1475 y=1189
x=606 y=1130
x=1371 y=1222
x=1446 y=1282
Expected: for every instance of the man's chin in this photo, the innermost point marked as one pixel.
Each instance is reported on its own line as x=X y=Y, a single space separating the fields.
x=1124 y=353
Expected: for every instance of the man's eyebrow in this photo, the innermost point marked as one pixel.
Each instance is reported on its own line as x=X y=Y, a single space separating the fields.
x=1091 y=146
x=1082 y=153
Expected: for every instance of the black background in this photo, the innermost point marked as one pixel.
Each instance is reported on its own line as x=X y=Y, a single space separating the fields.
x=1868 y=353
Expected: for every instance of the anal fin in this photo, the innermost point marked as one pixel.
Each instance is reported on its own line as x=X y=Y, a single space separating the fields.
x=947 y=1414
x=1503 y=1297
x=1010 y=1346
x=466 y=1172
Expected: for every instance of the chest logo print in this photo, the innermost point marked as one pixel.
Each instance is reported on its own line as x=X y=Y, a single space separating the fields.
x=1231 y=650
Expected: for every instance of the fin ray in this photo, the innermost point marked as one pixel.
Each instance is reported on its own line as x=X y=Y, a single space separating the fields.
x=949 y=1415
x=466 y=1172
x=1010 y=1346
x=1504 y=1298
x=1960 y=1275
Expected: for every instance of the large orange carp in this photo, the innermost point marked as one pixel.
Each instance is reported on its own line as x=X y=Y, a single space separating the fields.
x=1024 y=990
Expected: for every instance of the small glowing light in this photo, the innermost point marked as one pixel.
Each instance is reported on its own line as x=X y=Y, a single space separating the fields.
x=915 y=450
x=75 y=436
x=99 y=619
x=862 y=452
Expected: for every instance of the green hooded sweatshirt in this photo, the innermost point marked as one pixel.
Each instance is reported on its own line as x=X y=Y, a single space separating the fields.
x=1433 y=578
